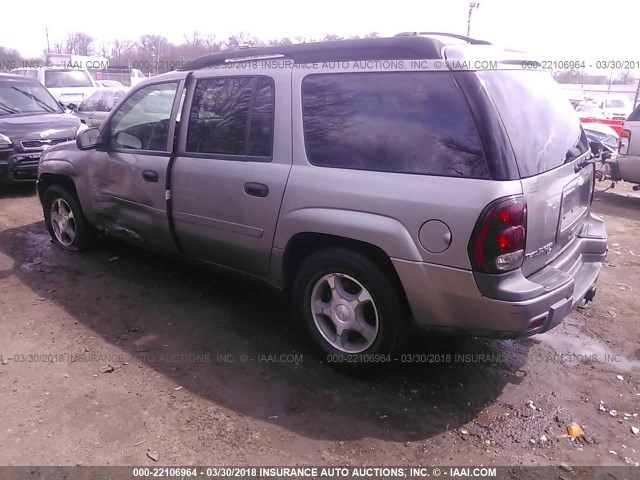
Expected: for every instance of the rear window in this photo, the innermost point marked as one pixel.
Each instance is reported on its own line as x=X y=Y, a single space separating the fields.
x=406 y=122
x=67 y=79
x=540 y=122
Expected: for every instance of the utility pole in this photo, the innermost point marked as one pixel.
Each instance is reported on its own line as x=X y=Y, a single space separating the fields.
x=635 y=100
x=472 y=6
x=46 y=31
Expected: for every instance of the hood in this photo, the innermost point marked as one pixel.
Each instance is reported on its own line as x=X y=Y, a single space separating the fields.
x=43 y=126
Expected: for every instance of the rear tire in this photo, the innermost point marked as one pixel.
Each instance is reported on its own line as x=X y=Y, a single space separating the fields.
x=352 y=311
x=65 y=220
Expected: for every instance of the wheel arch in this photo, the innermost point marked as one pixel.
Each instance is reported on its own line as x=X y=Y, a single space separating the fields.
x=304 y=244
x=47 y=179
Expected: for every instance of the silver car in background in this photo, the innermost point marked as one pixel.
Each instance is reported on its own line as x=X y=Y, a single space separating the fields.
x=95 y=109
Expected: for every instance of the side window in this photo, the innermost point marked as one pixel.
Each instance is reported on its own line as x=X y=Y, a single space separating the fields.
x=405 y=122
x=232 y=116
x=91 y=103
x=108 y=101
x=261 y=126
x=142 y=121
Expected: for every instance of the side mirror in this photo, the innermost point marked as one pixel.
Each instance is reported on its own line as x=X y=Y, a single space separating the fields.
x=72 y=106
x=88 y=139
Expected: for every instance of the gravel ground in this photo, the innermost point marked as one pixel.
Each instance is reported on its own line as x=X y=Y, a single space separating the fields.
x=117 y=355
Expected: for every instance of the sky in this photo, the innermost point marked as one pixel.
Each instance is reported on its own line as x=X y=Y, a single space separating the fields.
x=551 y=29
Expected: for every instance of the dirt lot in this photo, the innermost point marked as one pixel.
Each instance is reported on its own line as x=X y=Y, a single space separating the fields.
x=168 y=331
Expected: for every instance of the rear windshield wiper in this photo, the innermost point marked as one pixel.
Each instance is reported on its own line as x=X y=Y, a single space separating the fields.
x=33 y=97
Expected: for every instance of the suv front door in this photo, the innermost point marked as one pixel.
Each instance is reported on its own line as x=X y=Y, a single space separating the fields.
x=130 y=169
x=231 y=166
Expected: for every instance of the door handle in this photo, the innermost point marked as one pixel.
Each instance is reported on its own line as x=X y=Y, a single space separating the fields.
x=150 y=176
x=256 y=189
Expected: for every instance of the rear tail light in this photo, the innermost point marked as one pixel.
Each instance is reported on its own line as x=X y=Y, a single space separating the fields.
x=498 y=241
x=623 y=142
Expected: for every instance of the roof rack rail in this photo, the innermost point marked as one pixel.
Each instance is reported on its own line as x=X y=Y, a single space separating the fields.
x=473 y=41
x=394 y=48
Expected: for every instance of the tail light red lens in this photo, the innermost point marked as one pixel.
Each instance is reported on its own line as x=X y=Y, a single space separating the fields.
x=498 y=241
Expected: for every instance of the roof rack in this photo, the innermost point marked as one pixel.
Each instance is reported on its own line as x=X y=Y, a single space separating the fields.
x=473 y=41
x=393 y=48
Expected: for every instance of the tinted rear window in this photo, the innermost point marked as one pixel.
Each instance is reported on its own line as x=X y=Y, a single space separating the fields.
x=540 y=122
x=402 y=122
x=232 y=116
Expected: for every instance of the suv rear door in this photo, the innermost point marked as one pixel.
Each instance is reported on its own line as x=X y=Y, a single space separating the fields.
x=231 y=166
x=549 y=144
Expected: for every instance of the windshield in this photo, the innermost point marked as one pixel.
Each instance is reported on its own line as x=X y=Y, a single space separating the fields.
x=67 y=78
x=26 y=97
x=540 y=122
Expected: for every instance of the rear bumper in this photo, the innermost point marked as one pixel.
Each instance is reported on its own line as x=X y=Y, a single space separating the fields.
x=508 y=305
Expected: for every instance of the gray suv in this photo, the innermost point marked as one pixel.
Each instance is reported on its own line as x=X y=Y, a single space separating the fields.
x=382 y=184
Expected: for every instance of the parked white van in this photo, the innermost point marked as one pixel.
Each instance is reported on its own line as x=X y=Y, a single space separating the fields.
x=68 y=85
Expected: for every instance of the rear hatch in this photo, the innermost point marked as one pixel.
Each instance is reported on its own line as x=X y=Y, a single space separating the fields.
x=549 y=146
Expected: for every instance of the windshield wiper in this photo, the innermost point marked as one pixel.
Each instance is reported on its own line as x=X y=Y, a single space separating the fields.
x=33 y=97
x=7 y=108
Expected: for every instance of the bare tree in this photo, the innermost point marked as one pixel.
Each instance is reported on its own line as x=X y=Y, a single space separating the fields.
x=78 y=43
x=83 y=42
x=212 y=44
x=71 y=45
x=625 y=77
x=195 y=41
x=120 y=49
x=569 y=76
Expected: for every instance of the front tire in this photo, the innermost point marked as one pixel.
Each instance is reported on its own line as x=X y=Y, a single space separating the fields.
x=352 y=311
x=65 y=221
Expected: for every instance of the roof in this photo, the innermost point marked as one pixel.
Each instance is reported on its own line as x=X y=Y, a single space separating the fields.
x=405 y=46
x=11 y=76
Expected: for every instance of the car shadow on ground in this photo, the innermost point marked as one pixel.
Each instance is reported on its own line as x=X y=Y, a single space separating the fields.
x=17 y=190
x=619 y=202
x=234 y=343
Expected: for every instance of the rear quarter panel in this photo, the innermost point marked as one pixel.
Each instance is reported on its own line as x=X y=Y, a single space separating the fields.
x=629 y=164
x=384 y=209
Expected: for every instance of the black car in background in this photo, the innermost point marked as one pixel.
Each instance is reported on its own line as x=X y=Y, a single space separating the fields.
x=31 y=121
